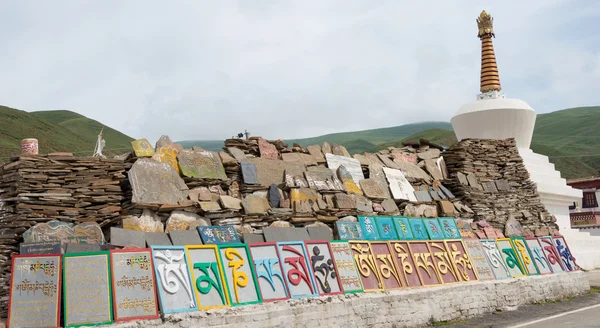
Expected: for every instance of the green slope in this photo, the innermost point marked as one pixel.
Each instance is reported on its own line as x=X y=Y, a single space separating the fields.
x=438 y=136
x=87 y=129
x=211 y=145
x=17 y=124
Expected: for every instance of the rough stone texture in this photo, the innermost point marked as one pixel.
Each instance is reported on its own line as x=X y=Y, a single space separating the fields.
x=398 y=308
x=490 y=162
x=156 y=183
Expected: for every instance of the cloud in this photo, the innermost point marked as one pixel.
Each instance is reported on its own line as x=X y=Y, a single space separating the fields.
x=288 y=69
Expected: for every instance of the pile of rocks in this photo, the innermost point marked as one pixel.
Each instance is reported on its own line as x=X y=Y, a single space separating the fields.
x=59 y=186
x=491 y=177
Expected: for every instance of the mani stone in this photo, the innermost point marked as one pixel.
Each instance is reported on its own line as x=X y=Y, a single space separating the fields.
x=47 y=231
x=187 y=237
x=513 y=228
x=273 y=171
x=446 y=191
x=226 y=158
x=429 y=154
x=409 y=158
x=315 y=152
x=231 y=203
x=502 y=185
x=371 y=189
x=157 y=239
x=344 y=201
x=274 y=196
x=340 y=150
x=413 y=171
x=201 y=164
x=473 y=181
x=267 y=150
x=180 y=220
x=153 y=182
x=433 y=193
x=433 y=169
x=423 y=196
x=122 y=237
x=45 y=247
x=326 y=148
x=377 y=173
x=446 y=208
x=210 y=206
x=237 y=153
x=255 y=205
x=91 y=232
x=489 y=186
x=249 y=173
x=363 y=204
x=142 y=148
x=462 y=178
x=389 y=206
x=346 y=178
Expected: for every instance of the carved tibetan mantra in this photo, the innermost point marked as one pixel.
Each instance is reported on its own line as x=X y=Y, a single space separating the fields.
x=442 y=261
x=323 y=268
x=386 y=229
x=298 y=275
x=424 y=264
x=524 y=255
x=349 y=230
x=537 y=254
x=269 y=272
x=509 y=256
x=35 y=291
x=240 y=278
x=369 y=227
x=405 y=263
x=418 y=229
x=465 y=270
x=386 y=267
x=207 y=276
x=551 y=253
x=218 y=235
x=449 y=228
x=87 y=290
x=346 y=268
x=403 y=228
x=566 y=256
x=479 y=259
x=366 y=265
x=494 y=257
x=134 y=287
x=173 y=279
x=433 y=229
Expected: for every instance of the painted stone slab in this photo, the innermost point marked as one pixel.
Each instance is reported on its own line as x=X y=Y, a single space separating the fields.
x=424 y=264
x=87 y=293
x=346 y=268
x=267 y=149
x=509 y=256
x=418 y=229
x=201 y=164
x=479 y=259
x=366 y=265
x=240 y=278
x=173 y=279
x=405 y=263
x=449 y=228
x=369 y=227
x=351 y=164
x=298 y=276
x=207 y=276
x=269 y=272
x=551 y=254
x=35 y=291
x=537 y=254
x=566 y=257
x=218 y=235
x=133 y=284
x=524 y=255
x=465 y=270
x=403 y=230
x=43 y=247
x=433 y=229
x=386 y=266
x=48 y=231
x=443 y=264
x=400 y=187
x=142 y=148
x=349 y=230
x=494 y=257
x=323 y=267
x=386 y=229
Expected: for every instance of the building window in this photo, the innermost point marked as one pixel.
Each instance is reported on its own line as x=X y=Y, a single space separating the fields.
x=589 y=199
x=572 y=207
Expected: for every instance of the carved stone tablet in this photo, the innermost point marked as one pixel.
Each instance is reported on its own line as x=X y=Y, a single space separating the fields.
x=269 y=272
x=201 y=164
x=35 y=291
x=351 y=164
x=87 y=291
x=346 y=268
x=44 y=247
x=240 y=278
x=323 y=267
x=156 y=183
x=173 y=279
x=401 y=188
x=133 y=285
x=208 y=281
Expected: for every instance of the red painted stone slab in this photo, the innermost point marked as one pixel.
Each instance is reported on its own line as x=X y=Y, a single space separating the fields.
x=441 y=259
x=386 y=266
x=367 y=268
x=465 y=270
x=551 y=254
x=424 y=263
x=267 y=150
x=405 y=263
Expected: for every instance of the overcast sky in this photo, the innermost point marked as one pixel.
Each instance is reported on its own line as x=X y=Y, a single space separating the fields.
x=287 y=69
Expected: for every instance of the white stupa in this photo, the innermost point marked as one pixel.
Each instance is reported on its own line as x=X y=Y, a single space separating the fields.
x=493 y=116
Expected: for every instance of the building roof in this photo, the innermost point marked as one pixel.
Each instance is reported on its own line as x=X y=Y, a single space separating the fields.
x=586 y=179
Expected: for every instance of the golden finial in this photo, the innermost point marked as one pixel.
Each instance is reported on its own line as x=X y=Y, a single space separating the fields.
x=485 y=24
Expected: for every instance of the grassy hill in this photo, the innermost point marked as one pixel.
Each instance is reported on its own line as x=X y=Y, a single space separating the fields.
x=438 y=136
x=55 y=130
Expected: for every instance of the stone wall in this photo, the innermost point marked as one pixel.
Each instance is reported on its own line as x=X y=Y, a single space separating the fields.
x=403 y=308
x=490 y=176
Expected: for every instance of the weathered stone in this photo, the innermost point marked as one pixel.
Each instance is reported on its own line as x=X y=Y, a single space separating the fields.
x=249 y=173
x=231 y=203
x=364 y=161
x=513 y=228
x=352 y=166
x=226 y=158
x=432 y=168
x=201 y=222
x=274 y=196
x=147 y=222
x=413 y=171
x=201 y=164
x=462 y=178
x=389 y=206
x=411 y=211
x=153 y=182
x=340 y=150
x=376 y=173
x=429 y=154
x=142 y=148
x=447 y=208
x=326 y=148
x=255 y=205
x=502 y=185
x=319 y=231
x=349 y=219
x=399 y=185
x=430 y=211
x=363 y=204
x=47 y=231
x=371 y=189
x=346 y=178
x=404 y=157
x=180 y=220
x=273 y=171
x=473 y=182
x=210 y=206
x=237 y=153
x=344 y=201
x=489 y=186
x=315 y=152
x=423 y=196
x=387 y=161
x=267 y=150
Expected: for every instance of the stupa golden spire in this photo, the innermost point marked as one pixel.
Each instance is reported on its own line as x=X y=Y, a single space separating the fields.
x=490 y=80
